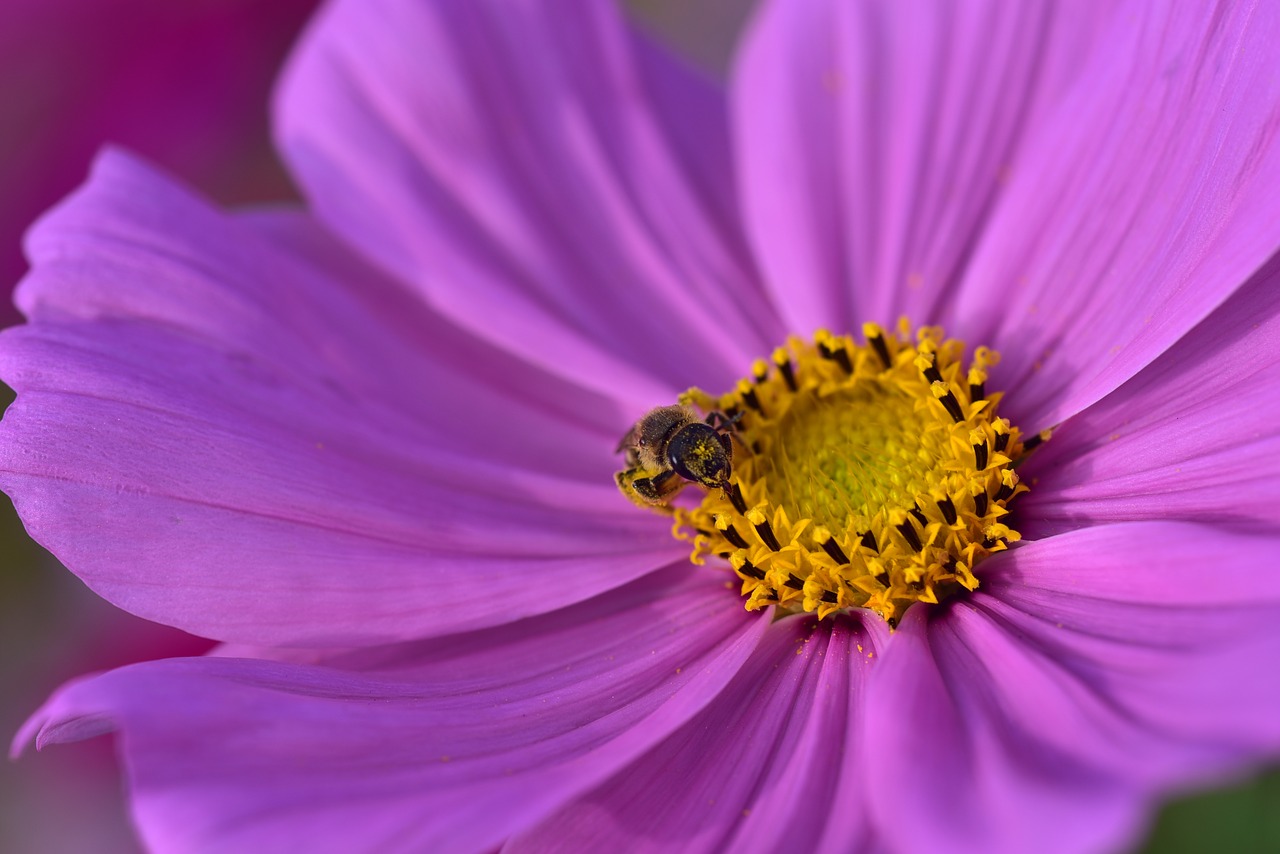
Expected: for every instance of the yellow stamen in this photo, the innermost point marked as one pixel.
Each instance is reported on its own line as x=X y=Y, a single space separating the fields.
x=871 y=476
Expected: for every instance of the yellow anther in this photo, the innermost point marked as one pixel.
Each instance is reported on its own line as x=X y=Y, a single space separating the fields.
x=858 y=491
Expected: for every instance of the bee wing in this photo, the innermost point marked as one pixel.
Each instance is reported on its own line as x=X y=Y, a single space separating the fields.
x=628 y=441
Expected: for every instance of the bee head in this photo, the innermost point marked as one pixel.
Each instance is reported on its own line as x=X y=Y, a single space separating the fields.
x=699 y=453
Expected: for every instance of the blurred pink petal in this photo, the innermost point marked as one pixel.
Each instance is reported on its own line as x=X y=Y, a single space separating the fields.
x=1195 y=436
x=184 y=84
x=774 y=743
x=1138 y=207
x=309 y=494
x=875 y=140
x=517 y=163
x=455 y=746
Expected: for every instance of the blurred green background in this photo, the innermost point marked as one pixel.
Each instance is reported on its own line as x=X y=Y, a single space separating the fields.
x=201 y=111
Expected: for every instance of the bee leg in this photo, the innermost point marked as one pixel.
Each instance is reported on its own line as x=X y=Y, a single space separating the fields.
x=727 y=430
x=650 y=492
x=661 y=487
x=720 y=421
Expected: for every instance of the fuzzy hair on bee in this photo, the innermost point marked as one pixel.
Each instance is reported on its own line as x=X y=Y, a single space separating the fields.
x=671 y=447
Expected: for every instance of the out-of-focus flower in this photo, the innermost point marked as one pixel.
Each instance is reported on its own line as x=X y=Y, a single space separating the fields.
x=187 y=85
x=180 y=83
x=380 y=468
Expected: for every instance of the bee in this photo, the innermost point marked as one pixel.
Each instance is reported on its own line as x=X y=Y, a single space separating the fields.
x=671 y=447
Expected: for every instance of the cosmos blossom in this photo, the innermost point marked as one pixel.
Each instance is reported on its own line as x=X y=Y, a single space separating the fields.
x=370 y=446
x=156 y=76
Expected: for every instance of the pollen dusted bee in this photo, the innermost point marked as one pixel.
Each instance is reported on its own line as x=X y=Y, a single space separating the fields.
x=671 y=447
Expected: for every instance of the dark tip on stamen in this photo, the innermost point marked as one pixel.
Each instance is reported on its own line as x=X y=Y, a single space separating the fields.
x=988 y=542
x=1032 y=443
x=832 y=548
x=948 y=508
x=736 y=499
x=731 y=534
x=765 y=530
x=830 y=597
x=980 y=503
x=749 y=397
x=794 y=582
x=1002 y=442
x=788 y=374
x=953 y=406
x=1003 y=493
x=980 y=455
x=837 y=354
x=977 y=392
x=931 y=373
x=760 y=375
x=749 y=568
x=723 y=555
x=869 y=540
x=882 y=350
x=920 y=517
x=702 y=532
x=909 y=534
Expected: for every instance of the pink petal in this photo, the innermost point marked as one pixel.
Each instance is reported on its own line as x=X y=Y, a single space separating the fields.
x=874 y=139
x=1090 y=672
x=1140 y=205
x=549 y=179
x=282 y=449
x=951 y=771
x=1174 y=624
x=484 y=736
x=1194 y=436
x=765 y=767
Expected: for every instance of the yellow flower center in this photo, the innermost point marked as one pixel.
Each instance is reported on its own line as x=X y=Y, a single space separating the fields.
x=863 y=476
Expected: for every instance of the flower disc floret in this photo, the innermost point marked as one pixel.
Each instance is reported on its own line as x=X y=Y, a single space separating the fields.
x=864 y=476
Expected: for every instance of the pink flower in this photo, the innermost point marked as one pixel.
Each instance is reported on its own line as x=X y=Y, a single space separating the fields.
x=370 y=447
x=181 y=83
